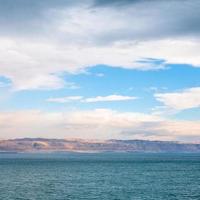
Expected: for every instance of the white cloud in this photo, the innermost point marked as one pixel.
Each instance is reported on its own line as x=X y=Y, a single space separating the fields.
x=39 y=81
x=74 y=42
x=108 y=98
x=185 y=99
x=65 y=99
x=94 y=124
x=91 y=100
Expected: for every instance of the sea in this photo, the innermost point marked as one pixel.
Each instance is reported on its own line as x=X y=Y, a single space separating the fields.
x=99 y=176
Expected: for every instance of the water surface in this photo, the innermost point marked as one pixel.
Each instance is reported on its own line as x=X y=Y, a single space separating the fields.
x=104 y=176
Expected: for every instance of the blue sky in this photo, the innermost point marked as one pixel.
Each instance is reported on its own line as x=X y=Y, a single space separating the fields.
x=74 y=69
x=104 y=80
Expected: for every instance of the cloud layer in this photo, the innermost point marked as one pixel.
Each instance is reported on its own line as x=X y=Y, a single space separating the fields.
x=40 y=40
x=96 y=124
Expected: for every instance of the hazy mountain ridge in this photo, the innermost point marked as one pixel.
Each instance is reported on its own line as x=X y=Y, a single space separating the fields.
x=42 y=144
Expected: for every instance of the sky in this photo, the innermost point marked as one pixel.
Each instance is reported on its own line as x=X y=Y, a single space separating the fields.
x=100 y=69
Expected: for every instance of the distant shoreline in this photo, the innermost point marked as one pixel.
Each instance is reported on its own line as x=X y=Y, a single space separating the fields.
x=37 y=145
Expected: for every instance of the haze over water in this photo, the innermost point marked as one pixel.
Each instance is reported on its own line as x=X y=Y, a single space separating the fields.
x=113 y=176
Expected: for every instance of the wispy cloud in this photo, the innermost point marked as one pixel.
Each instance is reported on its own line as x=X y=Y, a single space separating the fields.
x=109 y=98
x=100 y=74
x=4 y=84
x=65 y=99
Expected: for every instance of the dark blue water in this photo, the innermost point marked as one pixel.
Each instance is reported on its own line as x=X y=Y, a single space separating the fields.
x=118 y=176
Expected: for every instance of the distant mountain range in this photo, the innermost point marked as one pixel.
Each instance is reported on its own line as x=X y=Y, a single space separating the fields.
x=78 y=145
